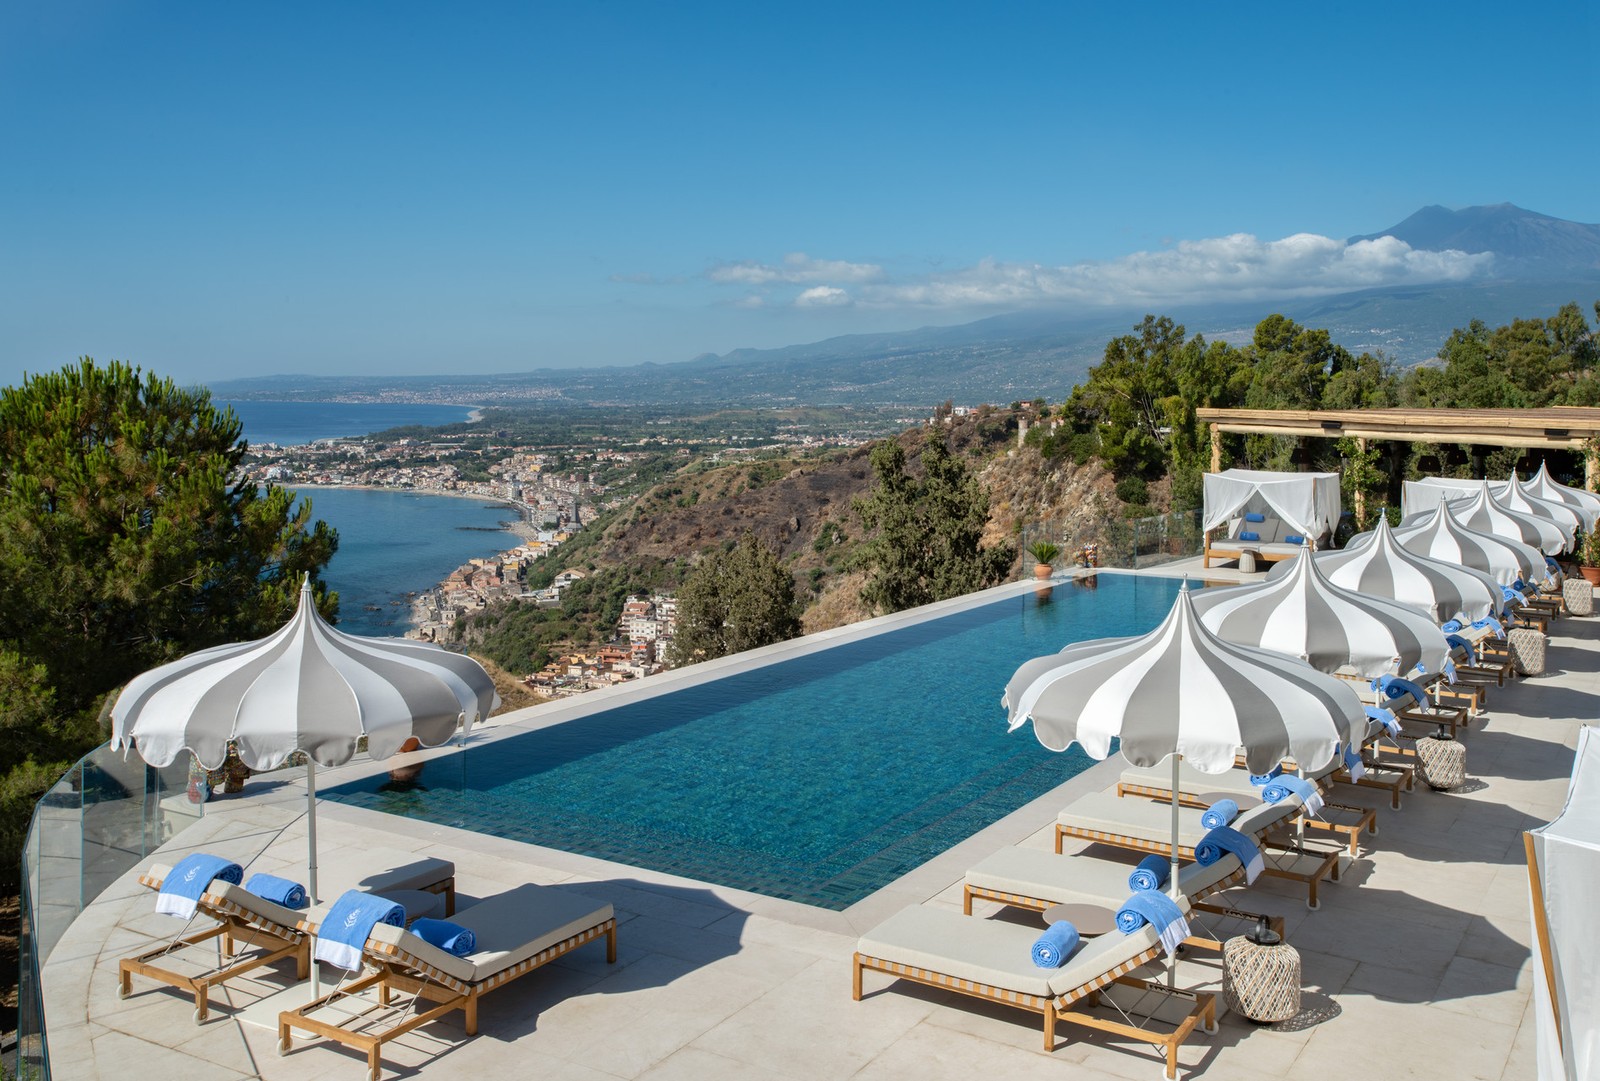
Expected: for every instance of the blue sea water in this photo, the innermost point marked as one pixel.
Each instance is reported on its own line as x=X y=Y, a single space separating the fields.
x=294 y=423
x=393 y=543
x=818 y=778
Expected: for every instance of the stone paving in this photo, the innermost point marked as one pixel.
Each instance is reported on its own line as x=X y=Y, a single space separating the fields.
x=1417 y=964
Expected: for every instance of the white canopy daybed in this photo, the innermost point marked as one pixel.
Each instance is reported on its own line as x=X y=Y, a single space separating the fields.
x=1268 y=514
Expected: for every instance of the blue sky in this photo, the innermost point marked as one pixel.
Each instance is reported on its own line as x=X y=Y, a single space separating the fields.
x=212 y=190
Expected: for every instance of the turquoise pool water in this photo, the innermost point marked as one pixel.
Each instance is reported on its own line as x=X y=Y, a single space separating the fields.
x=819 y=778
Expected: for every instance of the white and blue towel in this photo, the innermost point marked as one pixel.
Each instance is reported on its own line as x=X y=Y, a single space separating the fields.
x=1394 y=687
x=1455 y=640
x=181 y=889
x=1219 y=813
x=1054 y=946
x=1259 y=779
x=1289 y=785
x=280 y=891
x=450 y=937
x=1353 y=762
x=1493 y=624
x=1384 y=717
x=1219 y=842
x=1151 y=874
x=1159 y=911
x=349 y=922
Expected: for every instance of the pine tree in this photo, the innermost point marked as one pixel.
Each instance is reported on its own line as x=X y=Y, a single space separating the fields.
x=735 y=599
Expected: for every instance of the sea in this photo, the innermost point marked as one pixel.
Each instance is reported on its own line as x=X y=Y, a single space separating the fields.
x=392 y=544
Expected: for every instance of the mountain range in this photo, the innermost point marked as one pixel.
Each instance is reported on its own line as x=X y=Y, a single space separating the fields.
x=1539 y=263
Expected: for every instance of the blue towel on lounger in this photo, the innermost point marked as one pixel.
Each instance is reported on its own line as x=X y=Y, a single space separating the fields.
x=181 y=889
x=1353 y=762
x=1151 y=874
x=1450 y=626
x=1249 y=535
x=1255 y=516
x=1219 y=813
x=1290 y=785
x=1259 y=779
x=1053 y=947
x=448 y=936
x=1219 y=842
x=1294 y=538
x=1394 y=687
x=1384 y=717
x=1159 y=911
x=344 y=932
x=1456 y=641
x=1513 y=595
x=280 y=891
x=1492 y=623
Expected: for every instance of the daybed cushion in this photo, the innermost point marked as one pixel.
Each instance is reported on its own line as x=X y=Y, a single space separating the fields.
x=510 y=927
x=994 y=952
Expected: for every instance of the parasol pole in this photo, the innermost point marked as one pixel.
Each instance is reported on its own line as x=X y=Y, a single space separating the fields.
x=311 y=826
x=1172 y=877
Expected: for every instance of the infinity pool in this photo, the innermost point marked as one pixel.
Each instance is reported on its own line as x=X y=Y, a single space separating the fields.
x=818 y=778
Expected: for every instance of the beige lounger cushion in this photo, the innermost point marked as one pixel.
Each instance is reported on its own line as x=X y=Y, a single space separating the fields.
x=510 y=927
x=1034 y=872
x=994 y=952
x=374 y=870
x=1235 y=782
x=1151 y=821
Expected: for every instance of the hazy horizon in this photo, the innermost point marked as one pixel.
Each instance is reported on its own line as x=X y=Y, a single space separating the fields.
x=215 y=193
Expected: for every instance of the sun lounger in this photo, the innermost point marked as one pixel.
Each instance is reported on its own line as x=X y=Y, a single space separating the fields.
x=1146 y=826
x=990 y=959
x=1346 y=820
x=1034 y=879
x=268 y=931
x=517 y=931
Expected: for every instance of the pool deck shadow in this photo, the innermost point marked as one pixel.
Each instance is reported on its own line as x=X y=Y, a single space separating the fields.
x=1419 y=956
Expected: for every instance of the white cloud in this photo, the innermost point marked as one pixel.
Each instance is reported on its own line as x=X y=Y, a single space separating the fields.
x=797 y=268
x=1236 y=267
x=823 y=296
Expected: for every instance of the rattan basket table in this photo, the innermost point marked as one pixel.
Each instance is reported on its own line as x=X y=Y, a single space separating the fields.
x=1527 y=650
x=1261 y=981
x=1442 y=761
x=1578 y=596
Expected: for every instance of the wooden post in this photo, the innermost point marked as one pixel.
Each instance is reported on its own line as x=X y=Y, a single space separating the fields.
x=1361 y=495
x=1216 y=448
x=1541 y=928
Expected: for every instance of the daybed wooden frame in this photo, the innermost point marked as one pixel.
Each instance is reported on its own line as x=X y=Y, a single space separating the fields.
x=234 y=923
x=1071 y=1007
x=396 y=969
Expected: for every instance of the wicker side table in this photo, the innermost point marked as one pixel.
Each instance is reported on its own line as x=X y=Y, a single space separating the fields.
x=1578 y=596
x=1442 y=761
x=1261 y=976
x=1527 y=650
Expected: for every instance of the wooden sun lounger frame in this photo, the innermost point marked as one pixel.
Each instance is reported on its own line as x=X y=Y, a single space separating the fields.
x=1318 y=863
x=1358 y=819
x=1071 y=1007
x=398 y=970
x=234 y=924
x=1197 y=903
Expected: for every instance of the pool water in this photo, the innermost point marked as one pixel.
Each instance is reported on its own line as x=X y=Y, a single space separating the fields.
x=819 y=778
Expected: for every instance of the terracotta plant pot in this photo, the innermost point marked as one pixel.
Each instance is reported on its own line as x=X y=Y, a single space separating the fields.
x=1590 y=575
x=1041 y=571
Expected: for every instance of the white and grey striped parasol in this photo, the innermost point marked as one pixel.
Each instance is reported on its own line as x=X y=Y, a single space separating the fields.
x=1586 y=503
x=1181 y=689
x=1382 y=568
x=306 y=687
x=1438 y=535
x=1304 y=615
x=1515 y=496
x=1485 y=513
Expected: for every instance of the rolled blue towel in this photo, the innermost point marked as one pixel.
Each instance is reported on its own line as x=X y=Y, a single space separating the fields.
x=1053 y=947
x=1394 y=687
x=181 y=889
x=447 y=936
x=1290 y=785
x=1259 y=779
x=1455 y=640
x=1159 y=911
x=1513 y=595
x=1219 y=813
x=1249 y=535
x=1221 y=841
x=344 y=931
x=1450 y=626
x=1520 y=586
x=1294 y=538
x=1151 y=874
x=280 y=891
x=1255 y=516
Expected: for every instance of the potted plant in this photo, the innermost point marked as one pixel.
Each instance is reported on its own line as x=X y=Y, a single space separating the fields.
x=1044 y=554
x=1588 y=552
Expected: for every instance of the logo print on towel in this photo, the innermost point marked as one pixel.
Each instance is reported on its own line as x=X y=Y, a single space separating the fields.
x=188 y=876
x=350 y=920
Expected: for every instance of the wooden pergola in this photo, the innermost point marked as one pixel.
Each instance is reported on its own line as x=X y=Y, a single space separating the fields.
x=1572 y=428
